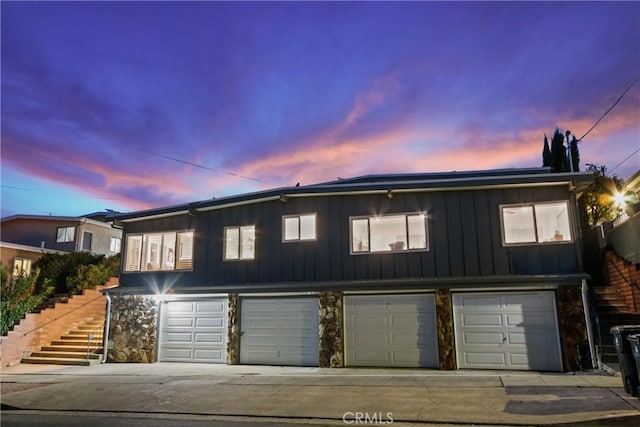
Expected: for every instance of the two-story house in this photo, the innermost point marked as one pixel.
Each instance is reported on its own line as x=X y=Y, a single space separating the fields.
x=26 y=237
x=62 y=233
x=479 y=269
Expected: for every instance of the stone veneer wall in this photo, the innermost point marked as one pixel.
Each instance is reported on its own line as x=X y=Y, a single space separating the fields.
x=330 y=330
x=233 y=332
x=132 y=329
x=444 y=325
x=573 y=329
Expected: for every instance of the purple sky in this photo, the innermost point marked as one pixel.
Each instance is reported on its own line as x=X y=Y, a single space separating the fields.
x=271 y=94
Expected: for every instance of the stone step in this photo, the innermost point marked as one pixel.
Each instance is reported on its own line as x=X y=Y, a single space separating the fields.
x=84 y=333
x=74 y=348
x=64 y=355
x=81 y=337
x=74 y=342
x=58 y=361
x=89 y=328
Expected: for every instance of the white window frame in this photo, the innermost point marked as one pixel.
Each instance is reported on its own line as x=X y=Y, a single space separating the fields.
x=299 y=225
x=115 y=244
x=85 y=232
x=68 y=234
x=537 y=241
x=242 y=234
x=405 y=250
x=175 y=258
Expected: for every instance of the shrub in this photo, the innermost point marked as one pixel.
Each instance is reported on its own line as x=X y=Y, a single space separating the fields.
x=87 y=276
x=57 y=268
x=19 y=297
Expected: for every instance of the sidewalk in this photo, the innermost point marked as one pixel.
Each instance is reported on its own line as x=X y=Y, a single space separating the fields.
x=404 y=395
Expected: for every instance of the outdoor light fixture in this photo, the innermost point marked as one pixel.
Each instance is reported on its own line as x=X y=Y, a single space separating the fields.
x=619 y=199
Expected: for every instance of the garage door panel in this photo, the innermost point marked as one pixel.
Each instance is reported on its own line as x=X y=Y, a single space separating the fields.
x=175 y=337
x=209 y=338
x=193 y=331
x=482 y=320
x=390 y=330
x=486 y=360
x=525 y=339
x=208 y=354
x=539 y=319
x=180 y=322
x=481 y=303
x=370 y=358
x=372 y=321
x=483 y=338
x=530 y=302
x=211 y=306
x=210 y=322
x=181 y=307
x=178 y=353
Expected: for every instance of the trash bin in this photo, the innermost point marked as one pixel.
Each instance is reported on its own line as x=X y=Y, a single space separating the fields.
x=627 y=363
x=634 y=340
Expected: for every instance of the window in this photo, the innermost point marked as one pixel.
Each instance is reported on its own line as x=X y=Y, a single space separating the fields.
x=239 y=243
x=157 y=251
x=65 y=234
x=87 y=237
x=114 y=246
x=536 y=223
x=299 y=227
x=391 y=233
x=21 y=266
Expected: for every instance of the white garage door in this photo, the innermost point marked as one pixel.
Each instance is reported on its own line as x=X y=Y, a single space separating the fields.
x=194 y=331
x=391 y=330
x=279 y=331
x=509 y=330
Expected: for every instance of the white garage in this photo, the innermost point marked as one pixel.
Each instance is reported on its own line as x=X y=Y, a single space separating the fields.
x=390 y=330
x=279 y=331
x=507 y=330
x=193 y=331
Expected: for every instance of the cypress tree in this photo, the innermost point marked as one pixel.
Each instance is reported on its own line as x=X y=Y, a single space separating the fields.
x=546 y=152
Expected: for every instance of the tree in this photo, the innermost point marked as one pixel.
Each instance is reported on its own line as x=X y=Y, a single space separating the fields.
x=556 y=155
x=546 y=153
x=599 y=200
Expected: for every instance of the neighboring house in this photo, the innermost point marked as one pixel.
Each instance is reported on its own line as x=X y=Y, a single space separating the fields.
x=61 y=233
x=20 y=258
x=479 y=269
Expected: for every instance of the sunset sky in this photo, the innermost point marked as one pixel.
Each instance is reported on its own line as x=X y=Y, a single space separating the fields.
x=97 y=98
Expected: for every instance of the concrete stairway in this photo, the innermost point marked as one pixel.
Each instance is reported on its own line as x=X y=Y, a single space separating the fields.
x=612 y=310
x=71 y=348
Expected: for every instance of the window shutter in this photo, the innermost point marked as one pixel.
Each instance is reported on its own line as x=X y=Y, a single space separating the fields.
x=248 y=242
x=231 y=243
x=185 y=251
x=134 y=246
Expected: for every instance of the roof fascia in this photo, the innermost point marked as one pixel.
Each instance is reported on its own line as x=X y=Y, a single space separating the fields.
x=449 y=184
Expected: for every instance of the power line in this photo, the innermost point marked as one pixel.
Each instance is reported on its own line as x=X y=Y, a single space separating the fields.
x=199 y=166
x=610 y=108
x=627 y=158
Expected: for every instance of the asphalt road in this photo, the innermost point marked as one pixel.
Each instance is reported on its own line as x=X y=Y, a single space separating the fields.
x=72 y=419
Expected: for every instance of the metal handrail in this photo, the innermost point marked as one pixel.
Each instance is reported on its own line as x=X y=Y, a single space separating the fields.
x=632 y=284
x=90 y=336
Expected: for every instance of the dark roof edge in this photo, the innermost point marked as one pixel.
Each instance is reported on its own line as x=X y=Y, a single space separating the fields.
x=369 y=285
x=428 y=182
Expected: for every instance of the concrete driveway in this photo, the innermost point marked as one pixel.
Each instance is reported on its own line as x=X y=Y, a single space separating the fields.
x=343 y=396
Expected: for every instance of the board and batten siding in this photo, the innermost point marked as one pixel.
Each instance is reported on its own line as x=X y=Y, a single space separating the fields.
x=464 y=239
